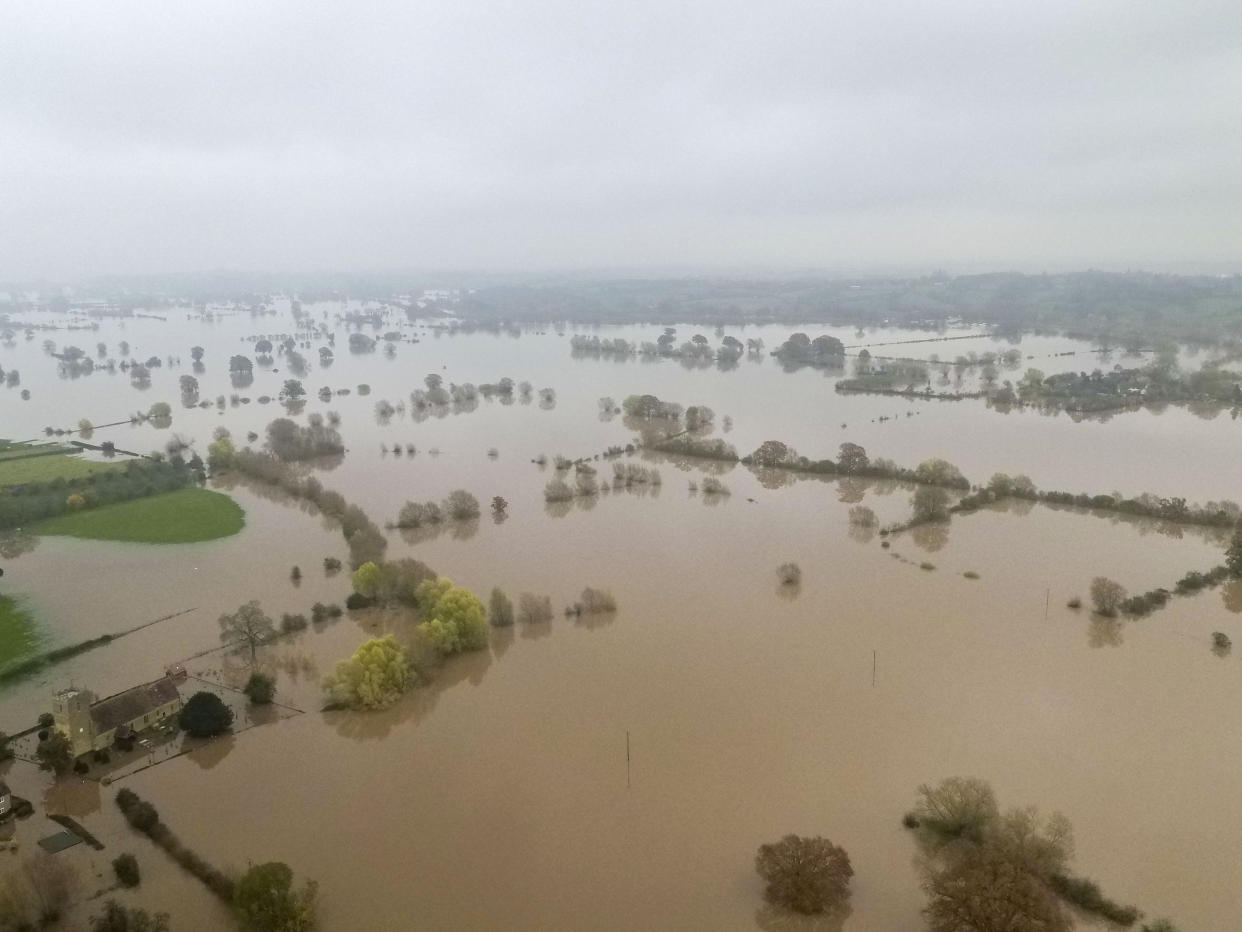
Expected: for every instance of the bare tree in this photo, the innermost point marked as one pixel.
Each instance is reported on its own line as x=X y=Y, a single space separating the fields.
x=247 y=624
x=807 y=875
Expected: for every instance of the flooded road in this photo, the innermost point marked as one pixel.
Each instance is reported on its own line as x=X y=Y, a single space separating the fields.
x=499 y=796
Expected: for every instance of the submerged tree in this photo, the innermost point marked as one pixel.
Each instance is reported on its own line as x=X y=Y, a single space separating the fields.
x=373 y=678
x=248 y=624
x=1107 y=595
x=266 y=900
x=807 y=875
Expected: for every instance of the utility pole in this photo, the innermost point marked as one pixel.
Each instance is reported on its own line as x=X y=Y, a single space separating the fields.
x=873 y=668
x=627 y=758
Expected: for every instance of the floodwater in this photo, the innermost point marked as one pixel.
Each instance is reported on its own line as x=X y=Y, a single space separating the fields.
x=500 y=796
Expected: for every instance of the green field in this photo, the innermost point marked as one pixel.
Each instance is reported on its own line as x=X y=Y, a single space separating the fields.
x=53 y=466
x=18 y=636
x=180 y=517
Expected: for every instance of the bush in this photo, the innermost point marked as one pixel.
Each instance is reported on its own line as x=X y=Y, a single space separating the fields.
x=126 y=869
x=267 y=902
x=1221 y=641
x=204 y=715
x=790 y=574
x=557 y=490
x=46 y=720
x=534 y=608
x=331 y=565
x=356 y=600
x=461 y=505
x=960 y=807
x=862 y=516
x=500 y=610
x=138 y=812
x=260 y=688
x=807 y=875
x=593 y=601
x=290 y=623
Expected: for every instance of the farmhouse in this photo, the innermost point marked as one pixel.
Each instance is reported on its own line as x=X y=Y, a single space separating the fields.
x=93 y=725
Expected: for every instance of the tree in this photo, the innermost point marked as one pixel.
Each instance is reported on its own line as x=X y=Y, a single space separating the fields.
x=205 y=715
x=196 y=353
x=773 y=453
x=367 y=580
x=461 y=505
x=807 y=875
x=960 y=807
x=117 y=918
x=500 y=507
x=247 y=624
x=373 y=678
x=260 y=688
x=939 y=472
x=930 y=503
x=263 y=347
x=790 y=574
x=1107 y=595
x=456 y=621
x=500 y=612
x=1233 y=554
x=292 y=389
x=267 y=902
x=125 y=867
x=983 y=891
x=55 y=754
x=852 y=458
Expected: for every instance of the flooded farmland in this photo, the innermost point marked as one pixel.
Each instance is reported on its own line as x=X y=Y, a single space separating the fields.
x=619 y=770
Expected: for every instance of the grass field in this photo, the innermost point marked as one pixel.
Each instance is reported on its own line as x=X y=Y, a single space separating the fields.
x=18 y=635
x=180 y=517
x=46 y=468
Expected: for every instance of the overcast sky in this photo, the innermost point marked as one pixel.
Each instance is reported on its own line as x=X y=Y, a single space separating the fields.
x=538 y=134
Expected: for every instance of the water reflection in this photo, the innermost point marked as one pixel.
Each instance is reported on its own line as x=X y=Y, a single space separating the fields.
x=774 y=919
x=458 y=530
x=930 y=536
x=1231 y=594
x=1104 y=632
x=212 y=750
x=415 y=705
x=15 y=543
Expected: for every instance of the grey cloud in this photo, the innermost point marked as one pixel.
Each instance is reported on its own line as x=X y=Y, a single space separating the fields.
x=136 y=137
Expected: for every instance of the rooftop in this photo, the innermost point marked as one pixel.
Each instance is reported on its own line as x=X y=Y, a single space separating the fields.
x=132 y=703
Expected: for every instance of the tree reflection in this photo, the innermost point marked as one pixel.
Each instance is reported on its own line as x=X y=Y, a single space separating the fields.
x=775 y=919
x=930 y=536
x=1104 y=632
x=1231 y=594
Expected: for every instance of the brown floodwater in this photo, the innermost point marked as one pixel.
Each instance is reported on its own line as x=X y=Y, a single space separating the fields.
x=499 y=795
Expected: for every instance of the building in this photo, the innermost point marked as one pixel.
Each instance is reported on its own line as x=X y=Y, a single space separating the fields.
x=6 y=800
x=93 y=725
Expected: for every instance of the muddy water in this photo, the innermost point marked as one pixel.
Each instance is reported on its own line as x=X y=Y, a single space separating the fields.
x=498 y=796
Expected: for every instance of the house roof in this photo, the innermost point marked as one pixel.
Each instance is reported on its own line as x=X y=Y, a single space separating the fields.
x=132 y=704
x=4 y=788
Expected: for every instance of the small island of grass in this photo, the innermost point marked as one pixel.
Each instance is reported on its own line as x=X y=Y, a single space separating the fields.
x=180 y=517
x=18 y=636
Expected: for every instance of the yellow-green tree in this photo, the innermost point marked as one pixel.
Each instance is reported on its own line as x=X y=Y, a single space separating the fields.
x=374 y=677
x=456 y=619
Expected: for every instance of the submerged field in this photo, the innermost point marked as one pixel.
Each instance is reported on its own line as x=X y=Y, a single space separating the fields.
x=181 y=517
x=619 y=771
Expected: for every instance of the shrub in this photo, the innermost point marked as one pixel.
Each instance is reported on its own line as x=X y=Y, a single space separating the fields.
x=356 y=600
x=862 y=516
x=558 y=490
x=1075 y=602
x=331 y=564
x=807 y=875
x=500 y=610
x=534 y=608
x=295 y=574
x=790 y=574
x=971 y=574
x=260 y=688
x=46 y=720
x=126 y=869
x=461 y=505
x=204 y=715
x=138 y=812
x=267 y=902
x=290 y=623
x=593 y=601
x=927 y=566
x=1221 y=641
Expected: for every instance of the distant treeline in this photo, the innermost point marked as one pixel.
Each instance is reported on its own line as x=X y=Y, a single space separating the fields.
x=1222 y=514
x=34 y=501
